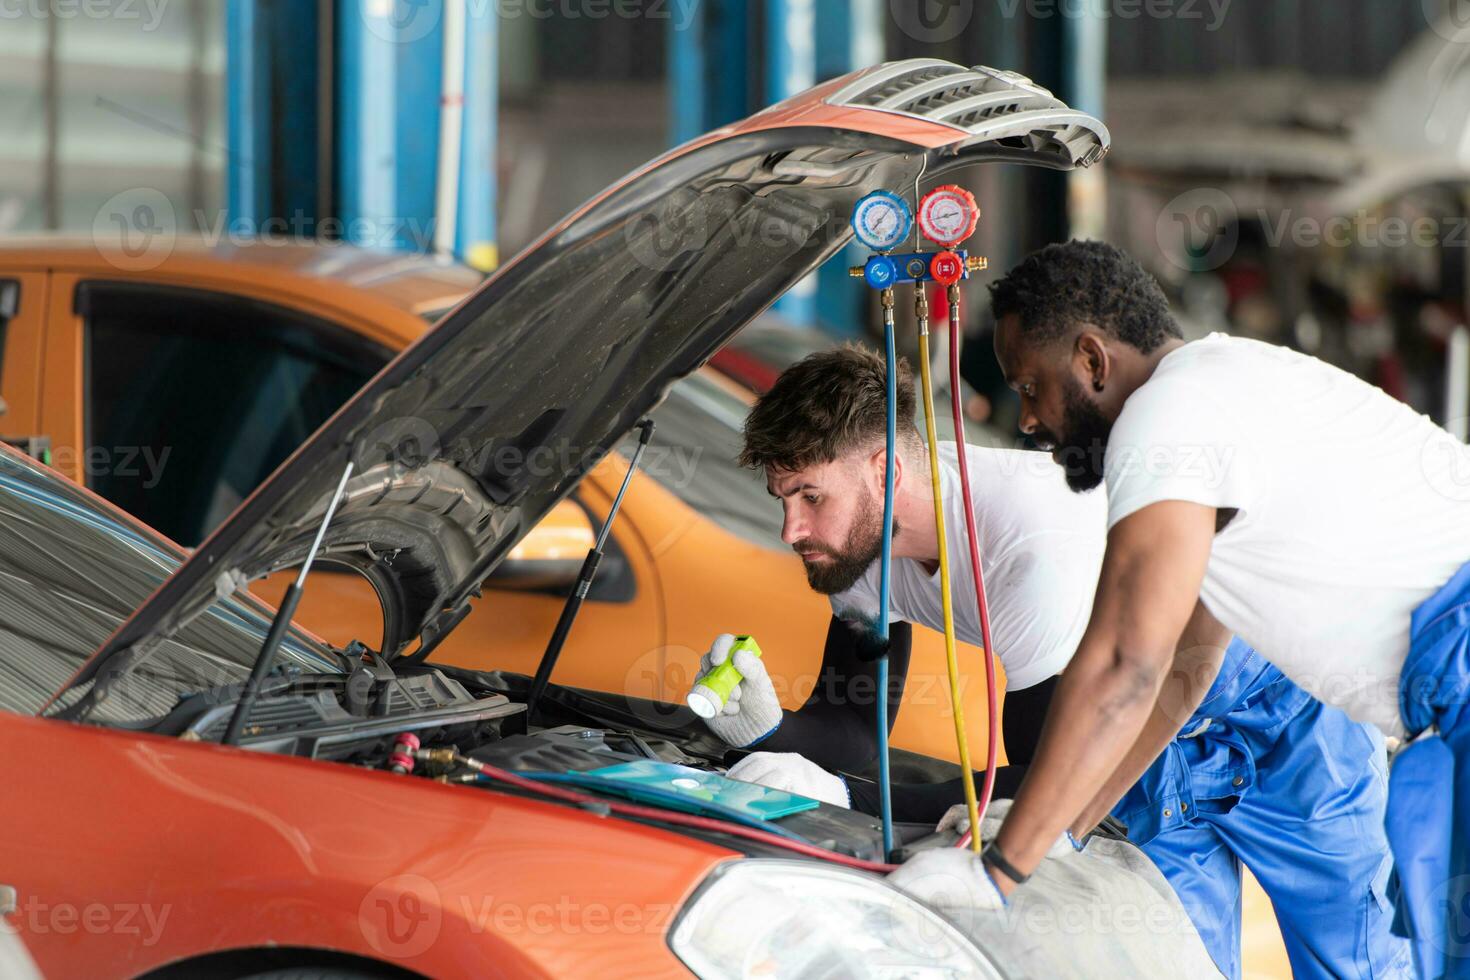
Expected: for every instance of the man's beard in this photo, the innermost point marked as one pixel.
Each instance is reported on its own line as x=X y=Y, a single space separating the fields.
x=1083 y=448
x=847 y=565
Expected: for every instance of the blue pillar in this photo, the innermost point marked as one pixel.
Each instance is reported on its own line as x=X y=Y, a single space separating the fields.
x=688 y=95
x=272 y=75
x=1084 y=82
x=388 y=69
x=702 y=97
x=849 y=37
x=475 y=241
x=791 y=67
x=1084 y=60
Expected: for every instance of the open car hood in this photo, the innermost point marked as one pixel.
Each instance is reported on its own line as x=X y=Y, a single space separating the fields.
x=471 y=435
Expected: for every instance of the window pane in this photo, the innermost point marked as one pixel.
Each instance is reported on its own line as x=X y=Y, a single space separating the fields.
x=194 y=398
x=693 y=455
x=70 y=572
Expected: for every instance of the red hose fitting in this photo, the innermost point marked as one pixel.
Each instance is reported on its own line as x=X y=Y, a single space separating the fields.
x=404 y=746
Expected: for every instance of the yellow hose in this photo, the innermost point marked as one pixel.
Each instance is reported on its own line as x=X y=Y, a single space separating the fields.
x=972 y=804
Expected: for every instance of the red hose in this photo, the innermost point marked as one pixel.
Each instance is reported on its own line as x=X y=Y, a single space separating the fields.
x=959 y=435
x=670 y=816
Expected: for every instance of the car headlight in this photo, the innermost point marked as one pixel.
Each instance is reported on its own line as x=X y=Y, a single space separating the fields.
x=799 y=919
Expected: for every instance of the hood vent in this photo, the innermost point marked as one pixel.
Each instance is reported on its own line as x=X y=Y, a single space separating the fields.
x=989 y=104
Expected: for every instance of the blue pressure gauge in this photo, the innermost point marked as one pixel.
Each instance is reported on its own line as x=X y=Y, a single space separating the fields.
x=881 y=220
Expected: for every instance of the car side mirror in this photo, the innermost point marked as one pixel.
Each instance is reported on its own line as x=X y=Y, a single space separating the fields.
x=549 y=558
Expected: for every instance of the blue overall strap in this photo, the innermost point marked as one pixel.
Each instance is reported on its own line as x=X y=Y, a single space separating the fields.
x=1429 y=786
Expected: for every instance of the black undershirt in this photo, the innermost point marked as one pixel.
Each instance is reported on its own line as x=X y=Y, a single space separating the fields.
x=835 y=726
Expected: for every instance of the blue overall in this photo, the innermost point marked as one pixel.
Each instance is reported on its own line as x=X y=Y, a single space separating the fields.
x=1429 y=789
x=1267 y=775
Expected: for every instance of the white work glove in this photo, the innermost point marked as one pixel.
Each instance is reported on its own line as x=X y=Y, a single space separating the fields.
x=956 y=820
x=793 y=773
x=753 y=711
x=952 y=880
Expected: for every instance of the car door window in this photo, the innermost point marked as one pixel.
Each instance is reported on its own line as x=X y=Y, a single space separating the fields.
x=193 y=398
x=693 y=455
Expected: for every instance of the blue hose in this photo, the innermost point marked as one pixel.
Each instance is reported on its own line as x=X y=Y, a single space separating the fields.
x=885 y=788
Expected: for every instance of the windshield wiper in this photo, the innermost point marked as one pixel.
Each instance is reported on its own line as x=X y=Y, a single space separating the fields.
x=265 y=660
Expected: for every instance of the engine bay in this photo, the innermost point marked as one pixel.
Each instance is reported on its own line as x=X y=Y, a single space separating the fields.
x=362 y=718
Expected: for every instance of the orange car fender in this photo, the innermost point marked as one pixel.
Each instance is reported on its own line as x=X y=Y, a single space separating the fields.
x=129 y=852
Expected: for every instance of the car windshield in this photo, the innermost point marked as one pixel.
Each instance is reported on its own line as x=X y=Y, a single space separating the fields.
x=693 y=456
x=71 y=572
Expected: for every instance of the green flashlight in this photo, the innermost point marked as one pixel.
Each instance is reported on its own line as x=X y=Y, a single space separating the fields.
x=708 y=697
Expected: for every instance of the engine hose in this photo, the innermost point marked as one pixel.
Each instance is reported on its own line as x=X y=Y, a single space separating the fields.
x=967 y=778
x=988 y=652
x=885 y=783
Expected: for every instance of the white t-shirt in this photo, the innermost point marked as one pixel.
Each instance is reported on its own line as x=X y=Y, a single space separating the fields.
x=1041 y=547
x=1353 y=508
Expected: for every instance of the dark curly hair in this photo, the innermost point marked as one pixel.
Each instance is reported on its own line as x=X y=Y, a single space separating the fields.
x=826 y=405
x=1065 y=285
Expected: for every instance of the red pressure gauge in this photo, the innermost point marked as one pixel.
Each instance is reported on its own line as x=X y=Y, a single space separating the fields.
x=948 y=215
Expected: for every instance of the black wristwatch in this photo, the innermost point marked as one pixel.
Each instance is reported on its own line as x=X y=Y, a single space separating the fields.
x=993 y=857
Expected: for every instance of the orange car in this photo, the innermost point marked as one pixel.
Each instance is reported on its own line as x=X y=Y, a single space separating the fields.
x=174 y=389
x=147 y=843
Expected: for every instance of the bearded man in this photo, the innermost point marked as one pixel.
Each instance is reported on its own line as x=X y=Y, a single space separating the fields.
x=1261 y=773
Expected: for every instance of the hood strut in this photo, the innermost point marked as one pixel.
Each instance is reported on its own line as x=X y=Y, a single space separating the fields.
x=584 y=581
x=266 y=658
